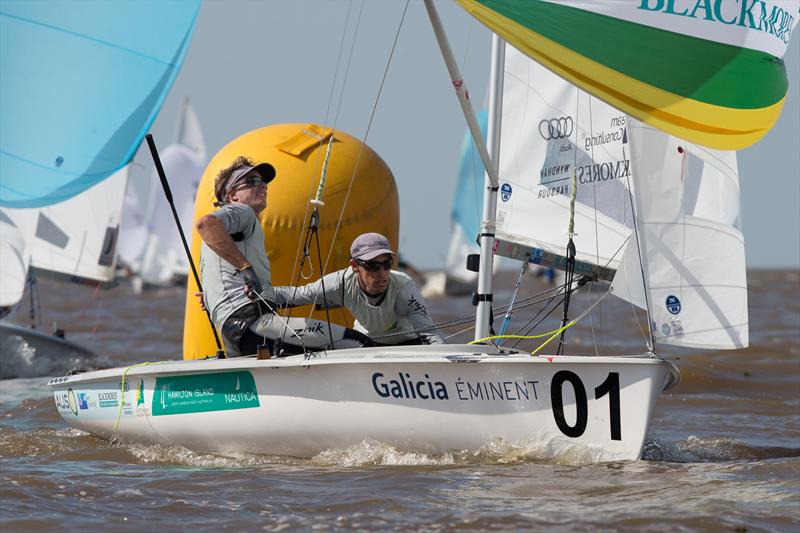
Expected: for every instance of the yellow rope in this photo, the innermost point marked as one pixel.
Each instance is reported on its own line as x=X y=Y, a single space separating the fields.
x=122 y=388
x=553 y=334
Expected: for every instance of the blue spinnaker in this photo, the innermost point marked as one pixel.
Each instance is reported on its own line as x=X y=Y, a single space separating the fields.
x=468 y=201
x=80 y=84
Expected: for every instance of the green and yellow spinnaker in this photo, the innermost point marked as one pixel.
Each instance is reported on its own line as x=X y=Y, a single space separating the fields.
x=709 y=71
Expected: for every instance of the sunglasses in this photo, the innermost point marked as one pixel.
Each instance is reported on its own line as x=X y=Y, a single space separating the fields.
x=374 y=266
x=252 y=181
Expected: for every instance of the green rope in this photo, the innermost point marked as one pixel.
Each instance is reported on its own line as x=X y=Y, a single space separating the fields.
x=122 y=388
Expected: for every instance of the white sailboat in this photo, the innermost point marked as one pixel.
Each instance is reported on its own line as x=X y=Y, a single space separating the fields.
x=75 y=241
x=149 y=245
x=460 y=397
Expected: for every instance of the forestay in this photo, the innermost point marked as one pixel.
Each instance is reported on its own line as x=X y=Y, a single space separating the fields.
x=692 y=250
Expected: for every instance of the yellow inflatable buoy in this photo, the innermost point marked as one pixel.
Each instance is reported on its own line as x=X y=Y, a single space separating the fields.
x=359 y=195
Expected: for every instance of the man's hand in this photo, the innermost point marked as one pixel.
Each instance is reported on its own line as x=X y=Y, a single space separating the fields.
x=199 y=296
x=252 y=286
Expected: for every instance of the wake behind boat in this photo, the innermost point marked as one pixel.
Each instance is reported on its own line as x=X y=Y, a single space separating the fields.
x=417 y=398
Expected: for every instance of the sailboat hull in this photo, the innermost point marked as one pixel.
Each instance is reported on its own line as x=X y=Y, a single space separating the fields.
x=428 y=399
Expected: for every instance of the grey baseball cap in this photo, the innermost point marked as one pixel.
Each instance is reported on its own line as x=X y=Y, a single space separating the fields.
x=369 y=246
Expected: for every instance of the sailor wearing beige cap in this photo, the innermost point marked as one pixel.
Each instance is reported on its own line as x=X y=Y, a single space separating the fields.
x=386 y=304
x=235 y=271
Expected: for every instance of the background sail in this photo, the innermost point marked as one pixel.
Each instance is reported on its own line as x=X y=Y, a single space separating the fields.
x=692 y=250
x=149 y=243
x=467 y=207
x=550 y=128
x=709 y=72
x=77 y=239
x=80 y=84
x=14 y=257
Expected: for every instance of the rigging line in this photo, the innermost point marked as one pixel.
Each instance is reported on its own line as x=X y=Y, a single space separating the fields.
x=533 y=325
x=469 y=319
x=330 y=101
x=339 y=60
x=572 y=323
x=507 y=318
x=591 y=323
x=349 y=61
x=544 y=308
x=364 y=140
x=652 y=340
x=324 y=297
x=274 y=311
x=596 y=227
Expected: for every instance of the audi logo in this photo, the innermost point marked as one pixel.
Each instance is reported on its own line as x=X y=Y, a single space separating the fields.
x=556 y=128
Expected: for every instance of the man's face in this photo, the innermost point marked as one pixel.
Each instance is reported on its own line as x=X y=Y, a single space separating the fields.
x=373 y=275
x=252 y=191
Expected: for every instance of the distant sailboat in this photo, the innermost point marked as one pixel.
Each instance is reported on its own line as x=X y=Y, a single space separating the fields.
x=64 y=154
x=150 y=247
x=456 y=279
x=75 y=241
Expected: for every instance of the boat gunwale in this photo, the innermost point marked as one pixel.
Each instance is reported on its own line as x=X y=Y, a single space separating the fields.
x=460 y=354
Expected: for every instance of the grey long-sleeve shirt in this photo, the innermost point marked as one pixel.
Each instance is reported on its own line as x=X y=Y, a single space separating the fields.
x=385 y=318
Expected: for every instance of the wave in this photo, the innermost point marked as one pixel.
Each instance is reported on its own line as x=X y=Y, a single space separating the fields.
x=711 y=450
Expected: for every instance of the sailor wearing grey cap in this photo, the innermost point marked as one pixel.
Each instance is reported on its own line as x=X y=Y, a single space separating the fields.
x=386 y=304
x=235 y=271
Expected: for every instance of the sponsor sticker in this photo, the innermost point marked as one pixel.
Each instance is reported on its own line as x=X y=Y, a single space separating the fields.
x=505 y=192
x=202 y=393
x=673 y=304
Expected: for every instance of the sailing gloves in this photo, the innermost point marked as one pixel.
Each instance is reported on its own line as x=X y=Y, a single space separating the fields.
x=252 y=284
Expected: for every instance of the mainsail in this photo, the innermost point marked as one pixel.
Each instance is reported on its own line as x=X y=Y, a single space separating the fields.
x=80 y=84
x=709 y=72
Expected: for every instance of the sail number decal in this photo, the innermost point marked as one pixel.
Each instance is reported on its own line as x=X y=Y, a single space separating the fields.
x=609 y=387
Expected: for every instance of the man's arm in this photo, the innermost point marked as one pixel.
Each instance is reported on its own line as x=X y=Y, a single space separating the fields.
x=411 y=306
x=213 y=233
x=289 y=296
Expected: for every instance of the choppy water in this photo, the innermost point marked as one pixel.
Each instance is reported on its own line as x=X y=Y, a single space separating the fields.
x=723 y=452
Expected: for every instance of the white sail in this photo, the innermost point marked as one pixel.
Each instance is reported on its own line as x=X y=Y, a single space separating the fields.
x=692 y=253
x=77 y=238
x=151 y=243
x=14 y=254
x=188 y=131
x=550 y=130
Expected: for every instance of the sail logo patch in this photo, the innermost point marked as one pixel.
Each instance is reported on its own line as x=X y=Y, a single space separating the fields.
x=505 y=192
x=673 y=304
x=556 y=128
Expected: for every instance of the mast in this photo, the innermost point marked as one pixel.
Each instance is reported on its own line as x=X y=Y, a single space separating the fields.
x=484 y=295
x=486 y=237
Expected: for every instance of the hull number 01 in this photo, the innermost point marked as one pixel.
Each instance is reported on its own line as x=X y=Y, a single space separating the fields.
x=609 y=387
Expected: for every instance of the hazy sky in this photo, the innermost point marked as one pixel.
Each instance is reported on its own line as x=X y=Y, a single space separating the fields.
x=252 y=64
